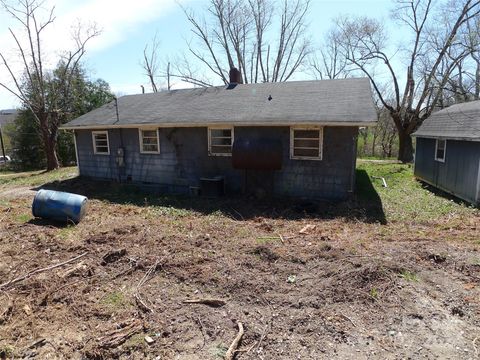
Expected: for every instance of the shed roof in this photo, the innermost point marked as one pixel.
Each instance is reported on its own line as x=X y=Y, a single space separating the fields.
x=342 y=102
x=458 y=122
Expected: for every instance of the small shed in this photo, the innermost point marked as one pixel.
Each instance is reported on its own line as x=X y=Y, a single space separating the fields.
x=448 y=151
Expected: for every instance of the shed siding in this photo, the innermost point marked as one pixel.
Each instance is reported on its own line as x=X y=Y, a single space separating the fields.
x=184 y=159
x=458 y=175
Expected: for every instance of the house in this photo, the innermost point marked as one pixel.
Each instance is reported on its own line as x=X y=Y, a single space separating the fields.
x=448 y=151
x=283 y=139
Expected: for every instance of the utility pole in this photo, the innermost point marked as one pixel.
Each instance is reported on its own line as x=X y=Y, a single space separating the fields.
x=3 y=148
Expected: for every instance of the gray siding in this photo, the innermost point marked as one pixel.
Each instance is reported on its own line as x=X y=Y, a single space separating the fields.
x=184 y=159
x=458 y=175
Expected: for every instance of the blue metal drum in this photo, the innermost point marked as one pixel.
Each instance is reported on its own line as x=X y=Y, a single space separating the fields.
x=59 y=206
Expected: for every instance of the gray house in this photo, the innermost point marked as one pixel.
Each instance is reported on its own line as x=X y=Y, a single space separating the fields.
x=287 y=139
x=448 y=151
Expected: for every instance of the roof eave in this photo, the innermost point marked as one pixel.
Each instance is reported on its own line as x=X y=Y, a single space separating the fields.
x=446 y=137
x=170 y=125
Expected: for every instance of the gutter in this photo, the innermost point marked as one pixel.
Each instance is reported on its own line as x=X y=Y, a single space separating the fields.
x=206 y=124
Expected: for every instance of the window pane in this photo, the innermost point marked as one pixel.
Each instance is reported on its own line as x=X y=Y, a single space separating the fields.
x=150 y=141
x=149 y=133
x=152 y=148
x=221 y=133
x=221 y=149
x=307 y=143
x=306 y=152
x=221 y=141
x=309 y=134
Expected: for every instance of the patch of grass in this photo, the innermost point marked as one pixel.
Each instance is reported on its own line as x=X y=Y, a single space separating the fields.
x=115 y=300
x=267 y=239
x=219 y=351
x=65 y=232
x=405 y=198
x=409 y=276
x=35 y=178
x=23 y=218
x=6 y=352
x=135 y=341
x=374 y=293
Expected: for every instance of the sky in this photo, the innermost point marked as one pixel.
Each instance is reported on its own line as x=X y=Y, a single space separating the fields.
x=127 y=26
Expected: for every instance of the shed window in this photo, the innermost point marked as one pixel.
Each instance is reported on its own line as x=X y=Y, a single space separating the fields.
x=440 y=150
x=149 y=141
x=306 y=143
x=220 y=140
x=100 y=142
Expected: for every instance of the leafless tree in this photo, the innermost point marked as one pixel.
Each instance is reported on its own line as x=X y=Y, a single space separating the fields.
x=31 y=85
x=264 y=39
x=329 y=62
x=150 y=62
x=364 y=42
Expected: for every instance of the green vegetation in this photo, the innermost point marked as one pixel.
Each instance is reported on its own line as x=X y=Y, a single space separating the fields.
x=36 y=178
x=115 y=300
x=409 y=276
x=405 y=198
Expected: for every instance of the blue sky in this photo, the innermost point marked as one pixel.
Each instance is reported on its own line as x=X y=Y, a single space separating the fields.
x=127 y=26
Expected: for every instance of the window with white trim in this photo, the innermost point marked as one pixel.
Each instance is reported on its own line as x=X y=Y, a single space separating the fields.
x=149 y=141
x=100 y=143
x=220 y=140
x=306 y=143
x=440 y=149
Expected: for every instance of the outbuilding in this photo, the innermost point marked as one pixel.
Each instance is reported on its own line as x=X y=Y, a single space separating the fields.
x=447 y=152
x=294 y=138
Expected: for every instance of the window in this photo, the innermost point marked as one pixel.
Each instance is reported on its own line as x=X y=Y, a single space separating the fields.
x=100 y=142
x=440 y=149
x=220 y=140
x=306 y=143
x=149 y=141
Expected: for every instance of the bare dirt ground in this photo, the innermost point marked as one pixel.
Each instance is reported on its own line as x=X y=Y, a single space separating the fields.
x=345 y=288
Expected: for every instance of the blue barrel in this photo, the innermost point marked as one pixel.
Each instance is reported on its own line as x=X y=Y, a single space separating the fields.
x=59 y=206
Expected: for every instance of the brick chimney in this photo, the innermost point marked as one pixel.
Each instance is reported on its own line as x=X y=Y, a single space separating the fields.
x=235 y=76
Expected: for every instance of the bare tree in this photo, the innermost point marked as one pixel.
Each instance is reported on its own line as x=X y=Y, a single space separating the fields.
x=31 y=85
x=329 y=62
x=364 y=42
x=264 y=40
x=150 y=62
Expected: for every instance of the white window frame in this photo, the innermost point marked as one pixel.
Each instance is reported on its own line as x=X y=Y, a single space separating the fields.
x=94 y=142
x=444 y=150
x=320 y=143
x=226 y=127
x=140 y=140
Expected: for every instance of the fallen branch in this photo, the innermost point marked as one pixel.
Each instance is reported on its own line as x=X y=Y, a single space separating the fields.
x=208 y=302
x=119 y=336
x=38 y=271
x=232 y=349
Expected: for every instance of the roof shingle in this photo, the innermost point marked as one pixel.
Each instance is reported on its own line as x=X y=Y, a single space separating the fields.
x=325 y=101
x=459 y=122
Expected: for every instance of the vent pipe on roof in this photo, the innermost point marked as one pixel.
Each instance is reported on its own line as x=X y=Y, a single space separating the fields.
x=143 y=89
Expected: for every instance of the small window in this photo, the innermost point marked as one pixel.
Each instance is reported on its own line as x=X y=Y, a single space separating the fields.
x=100 y=143
x=440 y=149
x=306 y=143
x=220 y=141
x=149 y=141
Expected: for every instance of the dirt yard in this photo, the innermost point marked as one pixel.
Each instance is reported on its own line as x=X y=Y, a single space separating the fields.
x=306 y=280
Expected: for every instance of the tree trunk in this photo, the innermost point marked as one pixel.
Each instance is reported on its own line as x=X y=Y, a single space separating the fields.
x=405 y=146
x=51 y=153
x=49 y=144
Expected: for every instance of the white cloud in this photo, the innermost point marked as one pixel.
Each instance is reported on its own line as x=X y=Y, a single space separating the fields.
x=116 y=18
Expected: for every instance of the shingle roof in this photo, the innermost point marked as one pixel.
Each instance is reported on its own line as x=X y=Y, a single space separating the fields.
x=460 y=121
x=325 y=101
